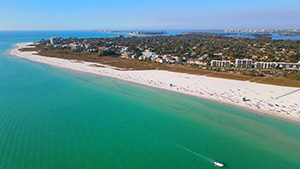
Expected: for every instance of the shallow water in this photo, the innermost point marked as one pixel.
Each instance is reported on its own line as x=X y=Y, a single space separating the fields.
x=56 y=118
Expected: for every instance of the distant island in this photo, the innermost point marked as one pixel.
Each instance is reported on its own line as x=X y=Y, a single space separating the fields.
x=136 y=32
x=281 y=32
x=265 y=36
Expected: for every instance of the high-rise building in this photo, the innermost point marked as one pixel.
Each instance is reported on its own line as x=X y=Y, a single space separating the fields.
x=53 y=40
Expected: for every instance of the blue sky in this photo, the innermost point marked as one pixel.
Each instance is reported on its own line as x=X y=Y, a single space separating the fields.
x=154 y=14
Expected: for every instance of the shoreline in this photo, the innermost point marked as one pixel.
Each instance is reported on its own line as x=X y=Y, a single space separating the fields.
x=274 y=101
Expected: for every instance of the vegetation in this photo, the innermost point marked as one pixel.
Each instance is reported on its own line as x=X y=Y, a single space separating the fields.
x=195 y=45
x=107 y=53
x=202 y=46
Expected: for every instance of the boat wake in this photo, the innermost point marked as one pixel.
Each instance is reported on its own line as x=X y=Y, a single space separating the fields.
x=197 y=154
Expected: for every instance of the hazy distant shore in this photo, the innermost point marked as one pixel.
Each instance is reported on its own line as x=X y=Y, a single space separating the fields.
x=273 y=100
x=138 y=32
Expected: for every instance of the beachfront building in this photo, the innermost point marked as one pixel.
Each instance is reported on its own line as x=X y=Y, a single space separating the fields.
x=127 y=55
x=124 y=49
x=178 y=59
x=220 y=63
x=243 y=63
x=53 y=40
x=75 y=47
x=172 y=59
x=160 y=60
x=147 y=53
x=265 y=65
x=167 y=57
x=196 y=61
x=288 y=66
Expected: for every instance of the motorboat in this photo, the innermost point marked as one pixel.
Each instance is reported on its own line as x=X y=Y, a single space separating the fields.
x=218 y=163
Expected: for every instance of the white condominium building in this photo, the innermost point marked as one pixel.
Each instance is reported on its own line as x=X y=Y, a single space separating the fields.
x=243 y=63
x=265 y=65
x=284 y=65
x=220 y=63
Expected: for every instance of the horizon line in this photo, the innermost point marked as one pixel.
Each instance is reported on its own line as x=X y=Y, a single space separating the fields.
x=139 y=29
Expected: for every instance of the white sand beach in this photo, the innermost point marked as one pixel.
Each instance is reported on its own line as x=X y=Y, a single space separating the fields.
x=274 y=100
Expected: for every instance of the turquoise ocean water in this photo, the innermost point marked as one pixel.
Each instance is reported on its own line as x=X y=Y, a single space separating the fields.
x=56 y=118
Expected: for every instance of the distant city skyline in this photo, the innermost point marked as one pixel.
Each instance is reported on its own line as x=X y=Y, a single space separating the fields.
x=152 y=15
